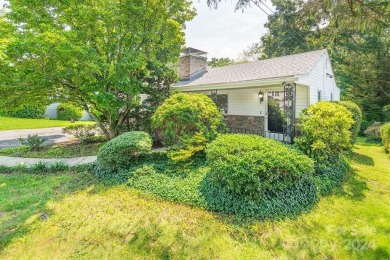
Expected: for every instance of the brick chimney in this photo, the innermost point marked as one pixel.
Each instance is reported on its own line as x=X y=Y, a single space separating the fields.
x=192 y=63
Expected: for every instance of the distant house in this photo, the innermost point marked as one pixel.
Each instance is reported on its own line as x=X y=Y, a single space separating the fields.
x=51 y=112
x=263 y=97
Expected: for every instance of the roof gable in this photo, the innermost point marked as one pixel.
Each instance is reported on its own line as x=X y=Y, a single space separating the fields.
x=291 y=65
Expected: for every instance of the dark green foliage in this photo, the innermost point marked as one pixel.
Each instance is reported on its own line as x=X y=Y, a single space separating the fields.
x=385 y=133
x=192 y=184
x=35 y=112
x=276 y=203
x=188 y=122
x=220 y=62
x=356 y=116
x=329 y=175
x=386 y=113
x=35 y=142
x=250 y=166
x=373 y=132
x=119 y=152
x=324 y=130
x=69 y=112
x=365 y=124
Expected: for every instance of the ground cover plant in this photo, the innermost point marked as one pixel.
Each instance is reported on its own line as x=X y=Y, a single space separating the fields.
x=63 y=150
x=75 y=215
x=252 y=186
x=8 y=123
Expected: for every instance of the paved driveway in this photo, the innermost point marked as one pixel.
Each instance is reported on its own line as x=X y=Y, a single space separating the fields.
x=9 y=138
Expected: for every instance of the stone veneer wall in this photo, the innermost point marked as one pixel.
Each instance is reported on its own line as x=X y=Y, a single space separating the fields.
x=245 y=124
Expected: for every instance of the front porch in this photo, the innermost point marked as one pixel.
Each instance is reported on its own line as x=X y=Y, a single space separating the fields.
x=268 y=111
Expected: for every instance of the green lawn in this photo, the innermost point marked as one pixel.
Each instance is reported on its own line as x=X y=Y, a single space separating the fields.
x=8 y=123
x=71 y=215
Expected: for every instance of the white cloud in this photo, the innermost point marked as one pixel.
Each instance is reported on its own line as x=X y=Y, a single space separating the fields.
x=224 y=32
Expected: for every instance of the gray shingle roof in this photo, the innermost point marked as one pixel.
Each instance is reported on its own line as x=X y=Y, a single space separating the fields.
x=291 y=65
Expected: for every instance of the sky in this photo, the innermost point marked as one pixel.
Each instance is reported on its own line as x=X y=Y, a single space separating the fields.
x=223 y=32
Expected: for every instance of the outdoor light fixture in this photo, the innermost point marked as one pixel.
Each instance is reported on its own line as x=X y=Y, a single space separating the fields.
x=261 y=96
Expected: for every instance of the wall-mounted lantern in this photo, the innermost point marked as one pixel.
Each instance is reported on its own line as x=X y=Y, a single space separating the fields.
x=261 y=96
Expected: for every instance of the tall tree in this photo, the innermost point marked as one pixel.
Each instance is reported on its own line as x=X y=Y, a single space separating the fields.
x=99 y=54
x=220 y=62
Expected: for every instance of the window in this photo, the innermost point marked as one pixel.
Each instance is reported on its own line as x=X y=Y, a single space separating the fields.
x=221 y=102
x=319 y=95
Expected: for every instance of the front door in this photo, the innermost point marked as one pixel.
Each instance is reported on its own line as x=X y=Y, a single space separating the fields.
x=276 y=119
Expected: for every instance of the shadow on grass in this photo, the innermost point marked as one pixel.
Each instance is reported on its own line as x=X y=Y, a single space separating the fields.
x=26 y=195
x=363 y=159
x=353 y=188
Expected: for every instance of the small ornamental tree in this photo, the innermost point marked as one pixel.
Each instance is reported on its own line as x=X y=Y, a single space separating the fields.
x=187 y=122
x=325 y=128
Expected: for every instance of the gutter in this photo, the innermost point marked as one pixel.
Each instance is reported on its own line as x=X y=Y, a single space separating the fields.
x=238 y=84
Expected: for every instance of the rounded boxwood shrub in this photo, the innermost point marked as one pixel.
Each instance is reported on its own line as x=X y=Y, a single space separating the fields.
x=67 y=111
x=188 y=122
x=357 y=117
x=119 y=152
x=254 y=176
x=251 y=165
x=325 y=130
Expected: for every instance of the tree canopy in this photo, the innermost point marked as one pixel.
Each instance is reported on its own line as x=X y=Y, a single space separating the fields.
x=99 y=54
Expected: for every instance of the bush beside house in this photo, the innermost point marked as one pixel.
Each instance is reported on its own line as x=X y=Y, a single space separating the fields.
x=187 y=122
x=69 y=112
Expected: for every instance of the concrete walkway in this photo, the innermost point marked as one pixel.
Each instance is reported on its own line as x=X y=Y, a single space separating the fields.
x=15 y=161
x=9 y=138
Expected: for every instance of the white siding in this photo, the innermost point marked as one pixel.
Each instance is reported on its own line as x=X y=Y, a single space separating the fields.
x=318 y=80
x=51 y=112
x=246 y=102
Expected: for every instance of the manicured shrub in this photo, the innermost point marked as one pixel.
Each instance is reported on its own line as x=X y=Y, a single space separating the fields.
x=251 y=165
x=324 y=130
x=385 y=132
x=373 y=132
x=69 y=112
x=119 y=152
x=35 y=112
x=357 y=117
x=187 y=122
